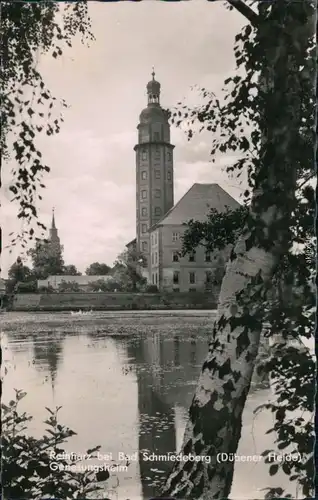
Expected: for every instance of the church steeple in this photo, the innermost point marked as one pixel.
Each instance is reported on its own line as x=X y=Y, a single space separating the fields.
x=54 y=237
x=53 y=220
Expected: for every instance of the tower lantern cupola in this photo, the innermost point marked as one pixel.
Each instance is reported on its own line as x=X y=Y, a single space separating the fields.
x=153 y=90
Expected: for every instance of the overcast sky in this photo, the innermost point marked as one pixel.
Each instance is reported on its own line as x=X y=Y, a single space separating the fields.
x=92 y=178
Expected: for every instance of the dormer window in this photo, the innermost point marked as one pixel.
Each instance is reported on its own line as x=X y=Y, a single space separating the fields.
x=192 y=257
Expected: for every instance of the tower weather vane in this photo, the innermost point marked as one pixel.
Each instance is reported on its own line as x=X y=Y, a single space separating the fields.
x=153 y=73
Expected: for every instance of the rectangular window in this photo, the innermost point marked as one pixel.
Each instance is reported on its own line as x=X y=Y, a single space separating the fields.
x=157 y=211
x=144 y=211
x=176 y=277
x=157 y=193
x=176 y=351
x=157 y=174
x=207 y=257
x=208 y=276
x=192 y=278
x=169 y=176
x=156 y=136
x=169 y=155
x=153 y=279
x=192 y=289
x=156 y=278
x=144 y=175
x=175 y=236
x=144 y=154
x=157 y=154
x=143 y=228
x=192 y=257
x=175 y=257
x=143 y=194
x=144 y=246
x=156 y=257
x=152 y=259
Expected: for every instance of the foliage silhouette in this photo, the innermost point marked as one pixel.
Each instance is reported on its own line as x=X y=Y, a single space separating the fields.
x=267 y=120
x=26 y=469
x=28 y=108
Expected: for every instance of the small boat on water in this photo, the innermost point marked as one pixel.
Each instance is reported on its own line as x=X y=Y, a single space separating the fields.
x=81 y=313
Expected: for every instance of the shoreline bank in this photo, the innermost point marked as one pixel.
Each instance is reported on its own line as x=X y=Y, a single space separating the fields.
x=116 y=301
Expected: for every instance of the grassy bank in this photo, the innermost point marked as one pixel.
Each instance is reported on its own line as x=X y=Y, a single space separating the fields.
x=113 y=301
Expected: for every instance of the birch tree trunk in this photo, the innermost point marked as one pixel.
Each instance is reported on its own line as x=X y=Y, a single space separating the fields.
x=215 y=415
x=215 y=422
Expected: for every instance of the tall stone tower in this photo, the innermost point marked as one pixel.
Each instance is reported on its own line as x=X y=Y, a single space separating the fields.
x=154 y=167
x=55 y=244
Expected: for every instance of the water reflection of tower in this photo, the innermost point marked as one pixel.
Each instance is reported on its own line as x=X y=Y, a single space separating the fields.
x=47 y=356
x=157 y=433
x=168 y=368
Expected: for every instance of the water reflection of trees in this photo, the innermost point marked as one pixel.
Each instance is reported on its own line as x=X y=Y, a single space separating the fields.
x=43 y=348
x=48 y=354
x=166 y=369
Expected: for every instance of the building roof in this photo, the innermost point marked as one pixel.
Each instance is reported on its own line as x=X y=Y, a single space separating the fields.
x=196 y=204
x=131 y=243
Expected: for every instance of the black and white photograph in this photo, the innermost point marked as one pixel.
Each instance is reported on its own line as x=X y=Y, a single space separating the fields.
x=158 y=249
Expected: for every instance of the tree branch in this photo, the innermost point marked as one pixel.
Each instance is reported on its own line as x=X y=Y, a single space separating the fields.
x=311 y=176
x=245 y=10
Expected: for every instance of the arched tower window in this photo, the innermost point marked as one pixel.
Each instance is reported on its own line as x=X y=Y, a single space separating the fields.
x=153 y=90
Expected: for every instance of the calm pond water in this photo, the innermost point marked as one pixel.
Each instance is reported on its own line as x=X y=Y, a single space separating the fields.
x=125 y=382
